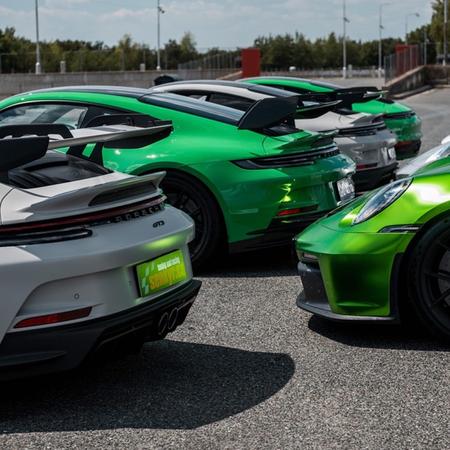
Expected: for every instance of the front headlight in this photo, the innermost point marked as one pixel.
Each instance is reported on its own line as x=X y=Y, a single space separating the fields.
x=381 y=200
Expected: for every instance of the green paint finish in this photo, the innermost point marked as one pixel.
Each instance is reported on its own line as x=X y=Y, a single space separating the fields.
x=356 y=260
x=407 y=128
x=205 y=148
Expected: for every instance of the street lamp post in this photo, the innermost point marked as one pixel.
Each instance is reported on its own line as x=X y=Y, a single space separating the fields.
x=38 y=50
x=159 y=11
x=344 y=40
x=406 y=24
x=380 y=42
x=444 y=60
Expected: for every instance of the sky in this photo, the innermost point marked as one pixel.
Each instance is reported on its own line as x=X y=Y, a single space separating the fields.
x=214 y=23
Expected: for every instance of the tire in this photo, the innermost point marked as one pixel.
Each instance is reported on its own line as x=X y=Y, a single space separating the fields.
x=429 y=279
x=186 y=193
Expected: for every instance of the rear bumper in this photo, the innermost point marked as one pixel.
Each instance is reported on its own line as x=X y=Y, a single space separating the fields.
x=407 y=149
x=314 y=299
x=66 y=347
x=279 y=233
x=365 y=180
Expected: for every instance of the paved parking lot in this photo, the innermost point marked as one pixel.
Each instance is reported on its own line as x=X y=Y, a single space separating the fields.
x=250 y=370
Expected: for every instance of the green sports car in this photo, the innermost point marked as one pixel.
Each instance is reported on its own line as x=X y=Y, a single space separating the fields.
x=383 y=255
x=248 y=180
x=400 y=119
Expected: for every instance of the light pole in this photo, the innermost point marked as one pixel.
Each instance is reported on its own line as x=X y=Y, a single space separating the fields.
x=406 y=24
x=38 y=50
x=159 y=11
x=380 y=42
x=444 y=60
x=344 y=40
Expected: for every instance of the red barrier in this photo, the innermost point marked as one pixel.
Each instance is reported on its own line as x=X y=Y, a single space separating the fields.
x=251 y=62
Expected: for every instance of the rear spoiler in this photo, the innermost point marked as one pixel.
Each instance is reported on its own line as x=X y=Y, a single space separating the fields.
x=314 y=111
x=347 y=96
x=22 y=144
x=268 y=112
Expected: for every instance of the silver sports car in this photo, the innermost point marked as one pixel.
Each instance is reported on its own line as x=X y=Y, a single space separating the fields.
x=363 y=137
x=90 y=260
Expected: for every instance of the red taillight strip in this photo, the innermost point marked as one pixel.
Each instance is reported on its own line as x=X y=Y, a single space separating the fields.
x=51 y=319
x=83 y=219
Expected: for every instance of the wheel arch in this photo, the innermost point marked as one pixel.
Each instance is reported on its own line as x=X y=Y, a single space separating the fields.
x=399 y=283
x=199 y=178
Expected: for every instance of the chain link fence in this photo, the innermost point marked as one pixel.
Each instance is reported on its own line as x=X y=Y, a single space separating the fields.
x=221 y=60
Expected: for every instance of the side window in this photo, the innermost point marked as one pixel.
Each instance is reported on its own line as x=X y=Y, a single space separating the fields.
x=232 y=101
x=95 y=111
x=70 y=115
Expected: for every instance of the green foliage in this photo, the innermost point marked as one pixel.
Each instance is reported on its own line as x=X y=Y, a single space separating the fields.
x=17 y=54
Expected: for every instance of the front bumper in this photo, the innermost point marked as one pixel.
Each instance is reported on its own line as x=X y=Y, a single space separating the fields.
x=313 y=298
x=366 y=180
x=66 y=347
x=350 y=273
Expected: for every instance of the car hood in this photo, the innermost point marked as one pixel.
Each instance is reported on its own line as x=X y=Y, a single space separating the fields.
x=432 y=161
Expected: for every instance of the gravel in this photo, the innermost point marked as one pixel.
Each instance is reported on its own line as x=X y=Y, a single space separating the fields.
x=250 y=370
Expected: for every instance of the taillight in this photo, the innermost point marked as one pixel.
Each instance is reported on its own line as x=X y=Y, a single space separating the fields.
x=293 y=211
x=51 y=319
x=366 y=166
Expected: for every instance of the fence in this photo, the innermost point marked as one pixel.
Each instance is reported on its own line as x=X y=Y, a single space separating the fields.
x=221 y=60
x=78 y=61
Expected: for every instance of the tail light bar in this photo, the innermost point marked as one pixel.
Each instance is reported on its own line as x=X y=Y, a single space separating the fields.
x=288 y=159
x=73 y=227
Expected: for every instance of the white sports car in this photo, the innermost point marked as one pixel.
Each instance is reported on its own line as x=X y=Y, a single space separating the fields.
x=90 y=259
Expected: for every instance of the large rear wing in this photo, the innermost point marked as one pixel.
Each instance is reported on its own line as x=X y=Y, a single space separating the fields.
x=347 y=96
x=268 y=112
x=22 y=144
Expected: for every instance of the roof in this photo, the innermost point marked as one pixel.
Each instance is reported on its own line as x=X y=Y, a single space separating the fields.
x=225 y=86
x=165 y=100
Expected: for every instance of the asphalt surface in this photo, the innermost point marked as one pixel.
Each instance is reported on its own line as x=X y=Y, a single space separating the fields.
x=249 y=370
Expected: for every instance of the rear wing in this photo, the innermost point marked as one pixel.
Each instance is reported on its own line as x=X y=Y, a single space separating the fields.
x=22 y=144
x=347 y=96
x=314 y=111
x=268 y=112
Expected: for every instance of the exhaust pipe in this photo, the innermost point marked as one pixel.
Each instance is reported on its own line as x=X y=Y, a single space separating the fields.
x=162 y=324
x=173 y=319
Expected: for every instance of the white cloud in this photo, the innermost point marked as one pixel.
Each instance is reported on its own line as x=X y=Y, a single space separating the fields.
x=224 y=23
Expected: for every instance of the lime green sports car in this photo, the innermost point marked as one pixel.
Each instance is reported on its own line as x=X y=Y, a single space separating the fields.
x=249 y=180
x=400 y=119
x=383 y=255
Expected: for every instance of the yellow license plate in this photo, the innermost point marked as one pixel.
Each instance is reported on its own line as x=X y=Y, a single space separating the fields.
x=161 y=273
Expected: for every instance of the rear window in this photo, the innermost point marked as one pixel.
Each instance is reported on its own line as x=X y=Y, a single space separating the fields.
x=207 y=110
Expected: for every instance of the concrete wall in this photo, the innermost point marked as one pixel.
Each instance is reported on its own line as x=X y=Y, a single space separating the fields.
x=11 y=84
x=409 y=81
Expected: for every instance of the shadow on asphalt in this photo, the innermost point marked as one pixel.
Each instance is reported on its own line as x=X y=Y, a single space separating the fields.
x=393 y=337
x=170 y=385
x=279 y=261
